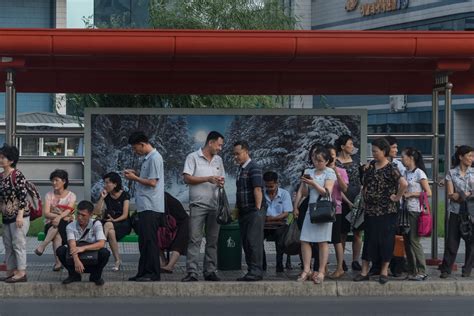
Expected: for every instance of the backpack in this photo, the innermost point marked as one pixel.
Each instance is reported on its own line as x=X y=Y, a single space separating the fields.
x=167 y=232
x=33 y=198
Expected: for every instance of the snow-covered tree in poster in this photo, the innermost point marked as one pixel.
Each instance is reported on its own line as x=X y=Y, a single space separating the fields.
x=277 y=142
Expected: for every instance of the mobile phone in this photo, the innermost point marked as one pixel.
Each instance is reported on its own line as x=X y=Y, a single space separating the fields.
x=307 y=176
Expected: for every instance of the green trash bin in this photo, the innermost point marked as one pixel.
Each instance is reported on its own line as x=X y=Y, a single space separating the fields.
x=229 y=248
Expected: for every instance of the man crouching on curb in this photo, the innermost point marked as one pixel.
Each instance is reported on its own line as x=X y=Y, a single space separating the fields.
x=86 y=250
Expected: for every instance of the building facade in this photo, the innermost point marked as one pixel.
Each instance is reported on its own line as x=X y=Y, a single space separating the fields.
x=400 y=114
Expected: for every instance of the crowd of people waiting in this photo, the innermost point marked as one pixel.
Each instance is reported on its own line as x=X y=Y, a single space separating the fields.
x=382 y=188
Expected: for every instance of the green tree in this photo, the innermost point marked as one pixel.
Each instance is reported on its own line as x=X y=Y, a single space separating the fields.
x=196 y=14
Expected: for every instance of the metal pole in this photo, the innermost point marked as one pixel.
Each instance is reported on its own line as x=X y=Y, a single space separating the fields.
x=10 y=109
x=435 y=170
x=447 y=150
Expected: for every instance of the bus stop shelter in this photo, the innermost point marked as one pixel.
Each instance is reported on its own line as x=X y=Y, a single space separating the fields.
x=241 y=62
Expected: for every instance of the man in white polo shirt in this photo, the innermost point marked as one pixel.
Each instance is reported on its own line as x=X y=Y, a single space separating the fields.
x=204 y=173
x=279 y=205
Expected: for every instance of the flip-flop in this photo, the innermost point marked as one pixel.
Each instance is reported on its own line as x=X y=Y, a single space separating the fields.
x=38 y=253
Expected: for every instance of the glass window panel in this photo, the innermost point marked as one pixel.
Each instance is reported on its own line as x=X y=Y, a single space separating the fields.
x=54 y=146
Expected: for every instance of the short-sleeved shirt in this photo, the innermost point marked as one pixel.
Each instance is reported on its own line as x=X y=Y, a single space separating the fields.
x=148 y=198
x=336 y=191
x=399 y=166
x=56 y=203
x=249 y=177
x=414 y=178
x=281 y=203
x=379 y=185
x=352 y=169
x=75 y=232
x=327 y=174
x=114 y=207
x=13 y=194
x=197 y=165
x=465 y=184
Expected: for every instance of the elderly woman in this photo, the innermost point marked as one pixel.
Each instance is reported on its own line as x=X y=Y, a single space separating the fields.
x=16 y=216
x=460 y=186
x=115 y=213
x=59 y=203
x=383 y=187
x=316 y=181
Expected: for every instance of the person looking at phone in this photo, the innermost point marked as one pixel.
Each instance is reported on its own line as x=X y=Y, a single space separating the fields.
x=113 y=205
x=204 y=173
x=150 y=203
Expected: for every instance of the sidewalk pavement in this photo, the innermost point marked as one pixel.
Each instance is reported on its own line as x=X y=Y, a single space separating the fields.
x=43 y=282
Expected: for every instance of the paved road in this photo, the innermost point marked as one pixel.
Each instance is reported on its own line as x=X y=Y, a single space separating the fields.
x=241 y=306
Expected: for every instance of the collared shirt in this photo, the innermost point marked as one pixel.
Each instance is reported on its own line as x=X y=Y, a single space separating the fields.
x=460 y=183
x=197 y=165
x=75 y=232
x=281 y=203
x=249 y=177
x=148 y=198
x=399 y=166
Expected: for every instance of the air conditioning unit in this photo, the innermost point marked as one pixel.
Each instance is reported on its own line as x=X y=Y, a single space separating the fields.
x=398 y=103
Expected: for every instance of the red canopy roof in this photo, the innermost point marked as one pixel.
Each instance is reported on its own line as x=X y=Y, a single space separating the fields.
x=236 y=62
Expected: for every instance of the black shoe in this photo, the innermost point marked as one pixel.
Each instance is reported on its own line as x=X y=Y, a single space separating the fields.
x=72 y=278
x=344 y=266
x=133 y=279
x=383 y=279
x=444 y=275
x=360 y=277
x=279 y=269
x=356 y=266
x=466 y=275
x=189 y=278
x=145 y=279
x=250 y=278
x=99 y=282
x=374 y=271
x=212 y=277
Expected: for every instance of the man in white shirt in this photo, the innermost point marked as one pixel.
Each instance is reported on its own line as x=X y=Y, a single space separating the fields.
x=204 y=173
x=84 y=234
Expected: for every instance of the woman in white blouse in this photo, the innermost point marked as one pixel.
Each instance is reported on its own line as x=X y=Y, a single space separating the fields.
x=415 y=175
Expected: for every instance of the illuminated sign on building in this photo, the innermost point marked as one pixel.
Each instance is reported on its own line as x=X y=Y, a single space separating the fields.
x=376 y=7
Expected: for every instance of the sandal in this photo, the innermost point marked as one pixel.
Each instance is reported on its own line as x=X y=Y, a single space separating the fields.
x=304 y=276
x=57 y=268
x=38 y=253
x=318 y=278
x=117 y=265
x=336 y=274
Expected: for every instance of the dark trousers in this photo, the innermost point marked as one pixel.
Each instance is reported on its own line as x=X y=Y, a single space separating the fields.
x=251 y=231
x=274 y=234
x=94 y=270
x=452 y=246
x=149 y=263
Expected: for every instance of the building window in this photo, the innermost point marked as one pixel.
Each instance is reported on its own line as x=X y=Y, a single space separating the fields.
x=51 y=146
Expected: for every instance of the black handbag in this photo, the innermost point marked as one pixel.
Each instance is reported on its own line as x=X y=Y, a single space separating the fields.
x=323 y=211
x=224 y=214
x=89 y=257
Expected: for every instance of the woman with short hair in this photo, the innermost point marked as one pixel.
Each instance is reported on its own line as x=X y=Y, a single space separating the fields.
x=58 y=208
x=383 y=187
x=15 y=215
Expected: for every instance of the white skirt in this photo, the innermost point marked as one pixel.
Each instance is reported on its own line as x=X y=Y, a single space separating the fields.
x=315 y=232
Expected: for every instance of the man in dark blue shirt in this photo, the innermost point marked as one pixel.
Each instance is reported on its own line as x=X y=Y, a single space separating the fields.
x=251 y=216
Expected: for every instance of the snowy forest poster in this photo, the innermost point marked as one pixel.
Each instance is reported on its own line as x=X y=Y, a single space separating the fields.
x=279 y=140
